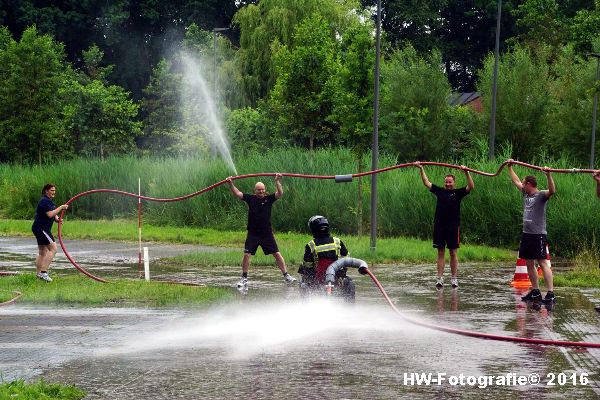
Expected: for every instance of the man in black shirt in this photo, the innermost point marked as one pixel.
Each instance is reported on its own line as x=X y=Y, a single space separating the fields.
x=260 y=231
x=446 y=227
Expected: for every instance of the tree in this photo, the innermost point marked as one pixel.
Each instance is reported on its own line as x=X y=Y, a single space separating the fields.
x=353 y=100
x=161 y=111
x=134 y=34
x=541 y=23
x=268 y=25
x=32 y=72
x=463 y=31
x=102 y=119
x=568 y=123
x=522 y=98
x=414 y=103
x=585 y=28
x=302 y=99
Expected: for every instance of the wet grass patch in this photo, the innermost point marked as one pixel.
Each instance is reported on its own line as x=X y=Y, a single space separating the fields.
x=80 y=290
x=585 y=272
x=20 y=390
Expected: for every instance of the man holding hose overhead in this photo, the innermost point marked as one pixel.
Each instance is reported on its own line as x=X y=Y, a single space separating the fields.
x=446 y=226
x=534 y=238
x=260 y=231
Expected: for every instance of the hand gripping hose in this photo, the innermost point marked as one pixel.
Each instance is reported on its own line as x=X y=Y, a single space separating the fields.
x=337 y=178
x=489 y=336
x=344 y=262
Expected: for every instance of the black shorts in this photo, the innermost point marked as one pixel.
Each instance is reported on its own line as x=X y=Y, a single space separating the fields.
x=533 y=246
x=446 y=236
x=43 y=238
x=266 y=241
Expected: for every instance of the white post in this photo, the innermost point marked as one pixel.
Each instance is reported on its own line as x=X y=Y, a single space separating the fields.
x=146 y=264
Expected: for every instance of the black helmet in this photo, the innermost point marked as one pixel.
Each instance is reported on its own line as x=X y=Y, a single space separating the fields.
x=318 y=225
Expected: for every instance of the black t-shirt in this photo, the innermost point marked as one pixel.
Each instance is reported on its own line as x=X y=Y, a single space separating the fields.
x=41 y=220
x=308 y=255
x=259 y=213
x=447 y=210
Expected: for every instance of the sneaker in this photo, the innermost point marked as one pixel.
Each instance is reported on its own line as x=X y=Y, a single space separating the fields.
x=243 y=283
x=289 y=279
x=440 y=283
x=549 y=298
x=533 y=295
x=454 y=282
x=44 y=276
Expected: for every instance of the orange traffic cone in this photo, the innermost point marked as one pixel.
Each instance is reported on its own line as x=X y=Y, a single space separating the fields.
x=539 y=269
x=521 y=278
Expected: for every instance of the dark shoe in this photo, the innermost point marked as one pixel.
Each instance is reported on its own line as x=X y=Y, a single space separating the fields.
x=533 y=295
x=549 y=298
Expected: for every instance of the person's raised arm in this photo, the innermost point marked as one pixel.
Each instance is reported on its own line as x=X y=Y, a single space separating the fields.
x=278 y=187
x=424 y=178
x=513 y=176
x=470 y=183
x=551 y=187
x=233 y=189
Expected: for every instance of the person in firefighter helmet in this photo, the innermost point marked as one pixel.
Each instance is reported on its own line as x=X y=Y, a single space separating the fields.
x=319 y=253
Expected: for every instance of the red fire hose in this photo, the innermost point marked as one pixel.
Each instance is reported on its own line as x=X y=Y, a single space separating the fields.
x=480 y=335
x=339 y=178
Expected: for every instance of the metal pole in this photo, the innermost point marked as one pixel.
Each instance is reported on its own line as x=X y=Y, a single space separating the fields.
x=375 y=144
x=495 y=83
x=595 y=111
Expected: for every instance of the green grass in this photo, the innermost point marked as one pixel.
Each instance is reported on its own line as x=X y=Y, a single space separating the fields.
x=20 y=390
x=585 y=273
x=80 y=290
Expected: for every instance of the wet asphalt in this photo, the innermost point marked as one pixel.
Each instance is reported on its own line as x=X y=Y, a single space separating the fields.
x=269 y=344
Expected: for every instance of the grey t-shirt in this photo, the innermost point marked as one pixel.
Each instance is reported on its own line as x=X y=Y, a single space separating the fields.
x=534 y=213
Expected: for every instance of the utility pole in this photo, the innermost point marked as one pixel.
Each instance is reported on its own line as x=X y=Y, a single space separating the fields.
x=495 y=84
x=375 y=144
x=595 y=110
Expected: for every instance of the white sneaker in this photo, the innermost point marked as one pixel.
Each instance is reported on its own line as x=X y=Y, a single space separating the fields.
x=289 y=279
x=44 y=276
x=243 y=283
x=454 y=282
x=440 y=283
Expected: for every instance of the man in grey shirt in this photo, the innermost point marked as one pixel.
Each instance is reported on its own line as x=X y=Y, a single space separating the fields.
x=534 y=239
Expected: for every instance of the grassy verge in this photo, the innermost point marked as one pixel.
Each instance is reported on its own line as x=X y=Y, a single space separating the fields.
x=585 y=273
x=19 y=390
x=389 y=250
x=80 y=290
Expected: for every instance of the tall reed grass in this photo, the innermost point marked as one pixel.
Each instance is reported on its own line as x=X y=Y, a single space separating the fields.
x=491 y=214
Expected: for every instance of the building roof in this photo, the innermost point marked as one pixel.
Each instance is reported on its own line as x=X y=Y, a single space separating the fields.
x=461 y=99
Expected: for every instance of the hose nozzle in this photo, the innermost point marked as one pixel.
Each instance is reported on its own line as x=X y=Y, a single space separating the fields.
x=329 y=288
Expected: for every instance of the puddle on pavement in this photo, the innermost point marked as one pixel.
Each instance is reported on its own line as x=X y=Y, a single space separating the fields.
x=269 y=344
